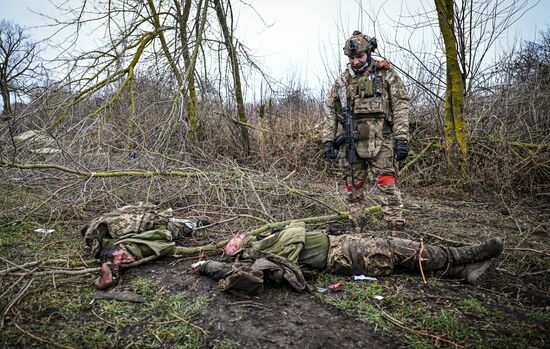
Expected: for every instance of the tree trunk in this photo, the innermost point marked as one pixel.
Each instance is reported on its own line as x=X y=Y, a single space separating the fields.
x=191 y=100
x=236 y=75
x=6 y=99
x=454 y=129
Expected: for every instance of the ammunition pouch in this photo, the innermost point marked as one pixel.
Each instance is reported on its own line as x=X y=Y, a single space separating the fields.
x=371 y=107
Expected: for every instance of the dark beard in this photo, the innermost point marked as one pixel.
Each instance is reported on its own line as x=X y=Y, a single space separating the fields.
x=362 y=68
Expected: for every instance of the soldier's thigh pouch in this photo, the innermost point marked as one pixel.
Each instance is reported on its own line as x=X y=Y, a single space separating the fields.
x=355 y=255
x=369 y=136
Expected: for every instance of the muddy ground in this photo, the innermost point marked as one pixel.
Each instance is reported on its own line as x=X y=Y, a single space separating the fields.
x=278 y=318
x=510 y=310
x=283 y=318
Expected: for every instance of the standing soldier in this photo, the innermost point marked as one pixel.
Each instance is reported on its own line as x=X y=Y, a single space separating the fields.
x=379 y=107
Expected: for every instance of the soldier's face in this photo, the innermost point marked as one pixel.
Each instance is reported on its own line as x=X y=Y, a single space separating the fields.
x=234 y=244
x=122 y=256
x=359 y=60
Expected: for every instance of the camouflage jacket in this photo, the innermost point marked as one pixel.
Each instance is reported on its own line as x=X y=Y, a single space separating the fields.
x=125 y=222
x=379 y=104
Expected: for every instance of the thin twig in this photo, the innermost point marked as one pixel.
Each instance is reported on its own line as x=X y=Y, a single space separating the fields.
x=58 y=272
x=102 y=319
x=12 y=286
x=216 y=223
x=17 y=267
x=14 y=301
x=420 y=260
x=534 y=272
x=192 y=324
x=440 y=238
x=527 y=250
x=42 y=339
x=422 y=333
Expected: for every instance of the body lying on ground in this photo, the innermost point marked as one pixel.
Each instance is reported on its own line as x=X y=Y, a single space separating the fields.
x=136 y=232
x=132 y=233
x=271 y=259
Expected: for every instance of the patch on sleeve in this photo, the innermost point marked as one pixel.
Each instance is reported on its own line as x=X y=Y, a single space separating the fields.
x=384 y=65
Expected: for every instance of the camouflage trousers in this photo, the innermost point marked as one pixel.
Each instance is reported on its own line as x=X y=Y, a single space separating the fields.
x=383 y=167
x=354 y=254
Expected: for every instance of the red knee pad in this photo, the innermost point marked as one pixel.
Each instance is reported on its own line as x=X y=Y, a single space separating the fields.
x=382 y=180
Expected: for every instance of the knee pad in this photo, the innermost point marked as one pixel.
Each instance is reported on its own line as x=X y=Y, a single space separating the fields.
x=383 y=180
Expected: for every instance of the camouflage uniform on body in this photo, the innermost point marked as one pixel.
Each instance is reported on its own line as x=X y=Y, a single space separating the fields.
x=144 y=229
x=379 y=104
x=355 y=254
x=350 y=254
x=133 y=233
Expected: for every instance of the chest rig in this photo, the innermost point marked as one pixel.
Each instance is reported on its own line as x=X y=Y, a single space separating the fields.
x=368 y=100
x=366 y=93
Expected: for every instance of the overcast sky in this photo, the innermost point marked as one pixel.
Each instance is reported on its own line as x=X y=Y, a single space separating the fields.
x=298 y=38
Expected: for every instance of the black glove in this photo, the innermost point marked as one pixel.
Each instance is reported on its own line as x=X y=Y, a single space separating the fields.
x=328 y=148
x=401 y=149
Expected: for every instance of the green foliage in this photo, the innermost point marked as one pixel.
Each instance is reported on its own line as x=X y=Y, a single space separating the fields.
x=164 y=319
x=224 y=344
x=424 y=321
x=358 y=297
x=473 y=306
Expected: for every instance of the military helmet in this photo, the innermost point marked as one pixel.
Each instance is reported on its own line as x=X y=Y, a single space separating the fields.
x=359 y=43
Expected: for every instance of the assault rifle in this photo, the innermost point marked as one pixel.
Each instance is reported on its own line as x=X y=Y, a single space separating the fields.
x=348 y=134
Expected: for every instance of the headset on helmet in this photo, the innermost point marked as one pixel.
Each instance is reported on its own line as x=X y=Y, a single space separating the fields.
x=359 y=43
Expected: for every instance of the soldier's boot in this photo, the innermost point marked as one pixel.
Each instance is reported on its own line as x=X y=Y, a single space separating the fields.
x=397 y=228
x=357 y=216
x=244 y=280
x=476 y=253
x=472 y=273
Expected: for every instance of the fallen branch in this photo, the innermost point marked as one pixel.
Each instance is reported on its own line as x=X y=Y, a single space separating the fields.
x=118 y=173
x=14 y=301
x=534 y=272
x=269 y=226
x=18 y=267
x=416 y=158
x=40 y=263
x=58 y=272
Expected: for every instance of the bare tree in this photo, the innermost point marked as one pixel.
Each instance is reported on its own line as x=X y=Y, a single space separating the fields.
x=454 y=129
x=464 y=32
x=235 y=68
x=190 y=45
x=17 y=61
